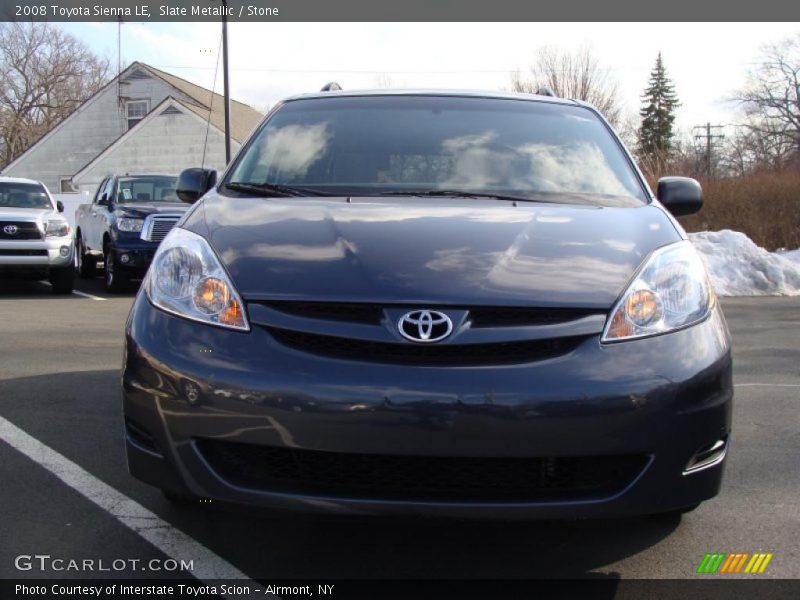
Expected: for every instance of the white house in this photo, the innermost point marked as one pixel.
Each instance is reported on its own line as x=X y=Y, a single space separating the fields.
x=143 y=121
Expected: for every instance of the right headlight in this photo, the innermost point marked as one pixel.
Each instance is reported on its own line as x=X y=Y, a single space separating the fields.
x=56 y=228
x=187 y=279
x=129 y=224
x=671 y=291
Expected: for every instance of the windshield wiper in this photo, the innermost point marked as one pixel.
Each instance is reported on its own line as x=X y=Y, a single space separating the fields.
x=456 y=193
x=273 y=189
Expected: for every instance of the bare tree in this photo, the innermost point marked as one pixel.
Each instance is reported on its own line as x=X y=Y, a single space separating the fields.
x=771 y=99
x=573 y=75
x=627 y=126
x=757 y=145
x=46 y=73
x=384 y=81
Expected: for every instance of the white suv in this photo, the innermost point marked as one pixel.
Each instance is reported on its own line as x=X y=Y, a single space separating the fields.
x=36 y=241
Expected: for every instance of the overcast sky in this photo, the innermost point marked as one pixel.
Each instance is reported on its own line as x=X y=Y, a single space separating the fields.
x=269 y=61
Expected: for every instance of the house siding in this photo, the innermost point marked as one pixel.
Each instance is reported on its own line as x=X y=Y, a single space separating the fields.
x=165 y=143
x=93 y=128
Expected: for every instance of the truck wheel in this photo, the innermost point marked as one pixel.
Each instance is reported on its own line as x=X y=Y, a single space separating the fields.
x=116 y=280
x=87 y=264
x=62 y=280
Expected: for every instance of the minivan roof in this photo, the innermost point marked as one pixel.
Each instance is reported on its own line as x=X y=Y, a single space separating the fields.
x=437 y=92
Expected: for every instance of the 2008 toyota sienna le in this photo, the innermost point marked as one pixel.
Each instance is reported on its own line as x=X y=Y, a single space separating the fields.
x=439 y=303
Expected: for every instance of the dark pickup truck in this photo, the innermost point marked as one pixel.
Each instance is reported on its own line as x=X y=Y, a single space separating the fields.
x=127 y=219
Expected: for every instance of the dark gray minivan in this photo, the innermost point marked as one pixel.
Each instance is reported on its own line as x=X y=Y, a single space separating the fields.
x=440 y=303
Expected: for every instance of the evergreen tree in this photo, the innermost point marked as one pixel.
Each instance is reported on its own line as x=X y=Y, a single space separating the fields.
x=658 y=115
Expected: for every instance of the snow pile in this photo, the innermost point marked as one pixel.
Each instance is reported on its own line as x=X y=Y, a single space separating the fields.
x=740 y=268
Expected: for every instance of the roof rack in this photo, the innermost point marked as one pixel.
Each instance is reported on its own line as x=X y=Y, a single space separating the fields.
x=545 y=91
x=331 y=87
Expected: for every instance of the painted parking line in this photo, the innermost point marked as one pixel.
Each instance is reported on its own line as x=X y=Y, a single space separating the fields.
x=166 y=538
x=91 y=296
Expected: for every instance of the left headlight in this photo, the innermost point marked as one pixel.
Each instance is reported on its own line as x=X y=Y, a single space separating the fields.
x=129 y=224
x=670 y=291
x=56 y=228
x=187 y=279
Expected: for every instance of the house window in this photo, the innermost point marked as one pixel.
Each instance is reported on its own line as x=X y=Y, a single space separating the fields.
x=136 y=110
x=66 y=185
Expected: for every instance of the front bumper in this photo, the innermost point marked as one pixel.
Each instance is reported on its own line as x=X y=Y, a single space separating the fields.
x=133 y=254
x=37 y=255
x=661 y=398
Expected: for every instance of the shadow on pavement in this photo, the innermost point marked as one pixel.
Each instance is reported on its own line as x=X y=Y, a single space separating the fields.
x=27 y=289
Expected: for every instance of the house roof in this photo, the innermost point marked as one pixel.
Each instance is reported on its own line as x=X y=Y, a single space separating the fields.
x=241 y=125
x=243 y=117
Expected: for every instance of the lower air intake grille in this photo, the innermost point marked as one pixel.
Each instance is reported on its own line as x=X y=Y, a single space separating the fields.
x=4 y=252
x=406 y=353
x=420 y=478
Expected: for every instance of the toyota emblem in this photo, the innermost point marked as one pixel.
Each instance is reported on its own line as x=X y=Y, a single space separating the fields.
x=425 y=326
x=10 y=229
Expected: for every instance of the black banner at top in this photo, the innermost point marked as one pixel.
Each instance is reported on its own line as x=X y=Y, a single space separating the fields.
x=397 y=10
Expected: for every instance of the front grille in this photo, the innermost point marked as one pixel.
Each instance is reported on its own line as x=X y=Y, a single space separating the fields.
x=157 y=227
x=481 y=316
x=332 y=311
x=419 y=478
x=407 y=353
x=512 y=316
x=23 y=252
x=26 y=230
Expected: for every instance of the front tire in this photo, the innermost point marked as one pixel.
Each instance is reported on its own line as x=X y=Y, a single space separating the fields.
x=116 y=281
x=62 y=280
x=87 y=264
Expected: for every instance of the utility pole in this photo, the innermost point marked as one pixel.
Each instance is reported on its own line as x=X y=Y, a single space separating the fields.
x=226 y=90
x=709 y=141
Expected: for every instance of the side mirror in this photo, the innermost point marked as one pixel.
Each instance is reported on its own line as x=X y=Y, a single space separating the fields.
x=194 y=182
x=59 y=206
x=680 y=195
x=103 y=199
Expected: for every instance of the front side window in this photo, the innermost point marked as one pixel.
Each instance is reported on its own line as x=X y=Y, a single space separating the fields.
x=393 y=144
x=24 y=195
x=136 y=111
x=100 y=189
x=156 y=188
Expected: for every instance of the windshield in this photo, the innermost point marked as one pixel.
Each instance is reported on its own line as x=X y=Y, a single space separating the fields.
x=153 y=188
x=24 y=195
x=392 y=144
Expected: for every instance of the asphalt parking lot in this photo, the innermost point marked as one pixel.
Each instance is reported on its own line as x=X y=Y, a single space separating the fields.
x=59 y=385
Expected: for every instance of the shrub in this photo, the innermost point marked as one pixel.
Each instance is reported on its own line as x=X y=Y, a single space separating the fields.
x=765 y=206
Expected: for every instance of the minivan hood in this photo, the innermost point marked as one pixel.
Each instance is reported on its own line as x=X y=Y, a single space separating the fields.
x=430 y=251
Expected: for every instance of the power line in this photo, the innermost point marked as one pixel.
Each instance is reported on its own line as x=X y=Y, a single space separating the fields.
x=709 y=141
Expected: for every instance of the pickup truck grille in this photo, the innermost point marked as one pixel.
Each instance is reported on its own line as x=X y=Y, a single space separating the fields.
x=156 y=227
x=19 y=230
